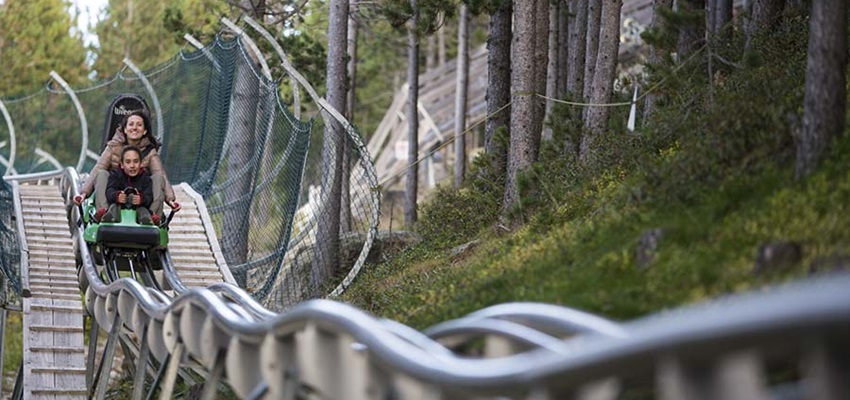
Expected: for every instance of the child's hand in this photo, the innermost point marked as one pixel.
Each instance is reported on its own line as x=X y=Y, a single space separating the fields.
x=136 y=200
x=122 y=198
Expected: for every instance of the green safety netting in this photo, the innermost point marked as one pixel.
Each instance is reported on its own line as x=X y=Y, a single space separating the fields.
x=10 y=251
x=226 y=132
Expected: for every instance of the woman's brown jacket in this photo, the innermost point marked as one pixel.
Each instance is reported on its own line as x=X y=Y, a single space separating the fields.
x=111 y=158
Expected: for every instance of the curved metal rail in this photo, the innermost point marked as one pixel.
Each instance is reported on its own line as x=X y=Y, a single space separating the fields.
x=531 y=350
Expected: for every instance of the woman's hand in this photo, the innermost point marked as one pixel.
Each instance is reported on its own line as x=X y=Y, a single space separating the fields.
x=175 y=206
x=136 y=200
x=78 y=199
x=122 y=198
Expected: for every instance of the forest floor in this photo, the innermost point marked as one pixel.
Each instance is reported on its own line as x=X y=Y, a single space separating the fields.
x=685 y=209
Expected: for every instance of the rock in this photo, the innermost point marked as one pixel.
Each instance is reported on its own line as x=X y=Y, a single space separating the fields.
x=777 y=256
x=463 y=249
x=647 y=247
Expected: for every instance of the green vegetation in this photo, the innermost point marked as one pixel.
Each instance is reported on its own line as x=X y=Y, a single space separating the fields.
x=713 y=170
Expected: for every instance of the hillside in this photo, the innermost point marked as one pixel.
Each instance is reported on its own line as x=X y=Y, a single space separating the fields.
x=695 y=204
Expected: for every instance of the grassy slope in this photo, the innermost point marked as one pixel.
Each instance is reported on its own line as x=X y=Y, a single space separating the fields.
x=717 y=178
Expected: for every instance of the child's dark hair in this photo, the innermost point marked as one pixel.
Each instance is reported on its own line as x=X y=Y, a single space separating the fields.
x=130 y=148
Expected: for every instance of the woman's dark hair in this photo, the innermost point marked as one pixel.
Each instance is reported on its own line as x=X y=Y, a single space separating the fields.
x=146 y=119
x=129 y=148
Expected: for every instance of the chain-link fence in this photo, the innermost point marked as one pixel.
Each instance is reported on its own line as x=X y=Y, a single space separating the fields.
x=226 y=132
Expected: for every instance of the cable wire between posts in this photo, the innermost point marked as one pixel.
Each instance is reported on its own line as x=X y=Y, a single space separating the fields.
x=526 y=94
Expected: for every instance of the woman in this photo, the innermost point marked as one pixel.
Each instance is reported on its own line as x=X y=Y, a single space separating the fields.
x=132 y=131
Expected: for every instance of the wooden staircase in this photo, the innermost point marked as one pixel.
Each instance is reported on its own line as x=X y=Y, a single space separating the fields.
x=54 y=353
x=193 y=245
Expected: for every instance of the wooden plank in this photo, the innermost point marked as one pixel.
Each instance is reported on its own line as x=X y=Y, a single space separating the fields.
x=64 y=308
x=57 y=296
x=57 y=328
x=57 y=289
x=54 y=272
x=38 y=362
x=65 y=340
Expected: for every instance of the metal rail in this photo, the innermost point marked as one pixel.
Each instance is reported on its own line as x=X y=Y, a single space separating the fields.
x=84 y=125
x=12 y=139
x=339 y=351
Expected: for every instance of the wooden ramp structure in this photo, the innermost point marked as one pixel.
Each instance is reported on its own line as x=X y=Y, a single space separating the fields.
x=437 y=89
x=193 y=245
x=54 y=353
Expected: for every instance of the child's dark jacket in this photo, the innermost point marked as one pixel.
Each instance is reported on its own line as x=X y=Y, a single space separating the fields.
x=118 y=181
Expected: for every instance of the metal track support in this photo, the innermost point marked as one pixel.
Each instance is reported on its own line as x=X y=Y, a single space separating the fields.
x=12 y=140
x=105 y=366
x=211 y=385
x=84 y=125
x=154 y=98
x=171 y=373
x=141 y=365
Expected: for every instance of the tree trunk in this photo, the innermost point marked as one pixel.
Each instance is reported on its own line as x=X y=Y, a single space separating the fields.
x=603 y=82
x=461 y=95
x=659 y=24
x=241 y=123
x=692 y=36
x=345 y=212
x=523 y=149
x=327 y=236
x=563 y=47
x=764 y=17
x=594 y=12
x=431 y=53
x=578 y=46
x=826 y=96
x=722 y=11
x=498 y=83
x=541 y=62
x=552 y=66
x=412 y=183
x=441 y=45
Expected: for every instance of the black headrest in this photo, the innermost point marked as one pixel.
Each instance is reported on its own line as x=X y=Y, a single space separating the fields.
x=123 y=105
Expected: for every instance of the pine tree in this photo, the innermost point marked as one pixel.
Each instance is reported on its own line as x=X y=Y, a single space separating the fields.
x=36 y=37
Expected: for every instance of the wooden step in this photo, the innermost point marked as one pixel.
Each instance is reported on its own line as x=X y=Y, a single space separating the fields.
x=55 y=296
x=61 y=232
x=200 y=282
x=209 y=266
x=39 y=240
x=190 y=231
x=193 y=257
x=43 y=248
x=64 y=283
x=64 y=260
x=44 y=214
x=53 y=328
x=52 y=307
x=58 y=370
x=59 y=393
x=175 y=235
x=181 y=247
x=55 y=268
x=58 y=349
x=55 y=289
x=63 y=276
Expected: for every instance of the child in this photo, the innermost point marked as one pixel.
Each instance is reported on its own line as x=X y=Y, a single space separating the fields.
x=132 y=176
